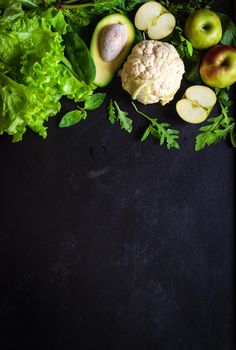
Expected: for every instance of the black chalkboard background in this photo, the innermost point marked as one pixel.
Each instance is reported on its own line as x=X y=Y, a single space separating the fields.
x=109 y=243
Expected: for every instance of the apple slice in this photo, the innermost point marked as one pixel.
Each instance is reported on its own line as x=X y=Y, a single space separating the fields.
x=196 y=104
x=203 y=95
x=155 y=19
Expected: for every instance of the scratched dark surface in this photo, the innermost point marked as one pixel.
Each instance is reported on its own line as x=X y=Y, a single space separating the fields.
x=109 y=243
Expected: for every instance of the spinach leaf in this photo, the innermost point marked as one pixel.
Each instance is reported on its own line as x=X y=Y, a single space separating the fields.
x=94 y=101
x=80 y=57
x=72 y=118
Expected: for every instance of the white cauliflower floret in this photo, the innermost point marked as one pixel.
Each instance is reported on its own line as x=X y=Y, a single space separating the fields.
x=152 y=72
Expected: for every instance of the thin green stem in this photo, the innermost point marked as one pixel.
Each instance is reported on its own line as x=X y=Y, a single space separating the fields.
x=74 y=5
x=143 y=114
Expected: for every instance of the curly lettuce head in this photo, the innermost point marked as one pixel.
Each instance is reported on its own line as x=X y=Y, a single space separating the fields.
x=34 y=73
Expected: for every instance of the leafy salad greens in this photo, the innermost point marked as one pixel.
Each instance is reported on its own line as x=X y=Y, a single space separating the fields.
x=34 y=72
x=43 y=57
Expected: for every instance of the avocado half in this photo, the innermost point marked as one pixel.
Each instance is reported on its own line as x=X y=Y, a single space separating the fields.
x=106 y=70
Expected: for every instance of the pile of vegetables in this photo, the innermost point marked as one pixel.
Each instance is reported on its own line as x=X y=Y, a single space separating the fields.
x=44 y=55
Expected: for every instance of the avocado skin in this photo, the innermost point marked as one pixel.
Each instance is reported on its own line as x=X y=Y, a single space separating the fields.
x=106 y=70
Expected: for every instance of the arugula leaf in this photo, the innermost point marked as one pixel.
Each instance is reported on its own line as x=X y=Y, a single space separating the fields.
x=116 y=114
x=94 y=101
x=229 y=30
x=146 y=133
x=219 y=127
x=111 y=112
x=182 y=45
x=72 y=118
x=125 y=122
x=160 y=131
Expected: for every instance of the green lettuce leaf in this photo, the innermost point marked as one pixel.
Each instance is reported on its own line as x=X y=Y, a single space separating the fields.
x=34 y=73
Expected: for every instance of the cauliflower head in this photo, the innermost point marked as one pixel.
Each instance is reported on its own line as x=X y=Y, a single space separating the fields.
x=152 y=72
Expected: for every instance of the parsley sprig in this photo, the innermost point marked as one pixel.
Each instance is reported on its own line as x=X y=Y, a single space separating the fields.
x=159 y=131
x=219 y=127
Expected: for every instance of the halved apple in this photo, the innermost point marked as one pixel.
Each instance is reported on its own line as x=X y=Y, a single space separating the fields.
x=196 y=104
x=155 y=19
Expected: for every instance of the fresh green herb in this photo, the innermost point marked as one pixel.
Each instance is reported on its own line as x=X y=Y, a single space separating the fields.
x=192 y=65
x=75 y=116
x=111 y=112
x=183 y=8
x=116 y=114
x=159 y=131
x=229 y=30
x=82 y=14
x=80 y=57
x=182 y=45
x=219 y=127
x=72 y=118
x=94 y=101
x=130 y=5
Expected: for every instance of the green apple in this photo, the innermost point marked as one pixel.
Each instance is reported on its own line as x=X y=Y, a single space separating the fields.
x=203 y=29
x=155 y=19
x=218 y=66
x=196 y=104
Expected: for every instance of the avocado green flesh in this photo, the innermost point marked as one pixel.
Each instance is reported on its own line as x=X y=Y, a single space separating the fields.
x=106 y=70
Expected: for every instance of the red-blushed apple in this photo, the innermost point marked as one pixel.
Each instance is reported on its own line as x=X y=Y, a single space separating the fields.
x=203 y=29
x=218 y=66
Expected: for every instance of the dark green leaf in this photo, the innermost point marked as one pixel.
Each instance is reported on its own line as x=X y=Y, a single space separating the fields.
x=130 y=5
x=72 y=118
x=192 y=65
x=80 y=57
x=229 y=30
x=94 y=101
